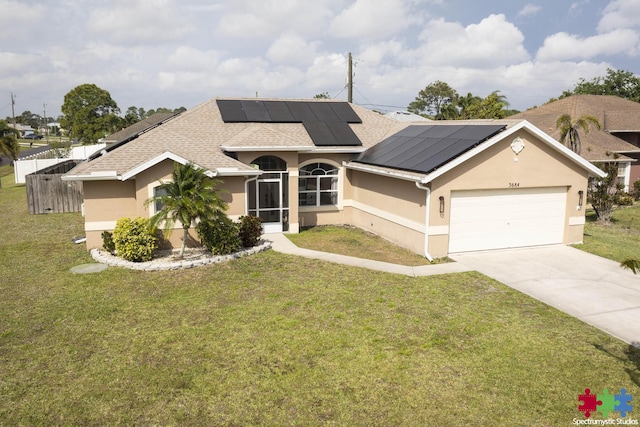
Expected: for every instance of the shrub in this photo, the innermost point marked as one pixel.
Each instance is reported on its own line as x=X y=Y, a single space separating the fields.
x=220 y=236
x=134 y=239
x=250 y=230
x=624 y=199
x=635 y=191
x=107 y=242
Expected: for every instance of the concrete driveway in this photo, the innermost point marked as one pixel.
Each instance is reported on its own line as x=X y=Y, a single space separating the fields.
x=593 y=289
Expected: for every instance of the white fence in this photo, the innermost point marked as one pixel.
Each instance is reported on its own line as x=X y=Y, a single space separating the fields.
x=22 y=168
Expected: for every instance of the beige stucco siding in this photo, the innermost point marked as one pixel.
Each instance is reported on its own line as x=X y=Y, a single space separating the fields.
x=537 y=165
x=104 y=203
x=391 y=208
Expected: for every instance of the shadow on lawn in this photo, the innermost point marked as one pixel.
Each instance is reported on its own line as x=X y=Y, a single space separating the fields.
x=631 y=356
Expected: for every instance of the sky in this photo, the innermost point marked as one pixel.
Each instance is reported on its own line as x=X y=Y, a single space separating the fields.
x=180 y=53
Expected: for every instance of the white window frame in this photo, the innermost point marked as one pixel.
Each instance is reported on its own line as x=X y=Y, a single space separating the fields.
x=338 y=185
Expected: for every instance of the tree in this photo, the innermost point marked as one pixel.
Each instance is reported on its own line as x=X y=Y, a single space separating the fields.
x=620 y=83
x=603 y=192
x=433 y=99
x=8 y=143
x=134 y=115
x=323 y=95
x=190 y=195
x=491 y=107
x=465 y=104
x=570 y=129
x=89 y=113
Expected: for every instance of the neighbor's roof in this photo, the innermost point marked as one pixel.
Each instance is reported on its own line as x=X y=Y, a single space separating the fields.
x=138 y=128
x=615 y=114
x=201 y=136
x=406 y=116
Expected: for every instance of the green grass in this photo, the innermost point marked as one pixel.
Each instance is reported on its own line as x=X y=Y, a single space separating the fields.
x=353 y=241
x=278 y=340
x=618 y=240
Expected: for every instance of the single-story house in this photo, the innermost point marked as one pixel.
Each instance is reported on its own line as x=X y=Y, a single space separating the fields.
x=432 y=187
x=617 y=141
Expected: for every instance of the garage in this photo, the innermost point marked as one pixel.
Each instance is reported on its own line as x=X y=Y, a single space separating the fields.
x=506 y=218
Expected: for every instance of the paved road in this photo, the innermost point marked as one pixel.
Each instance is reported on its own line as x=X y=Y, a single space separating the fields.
x=593 y=289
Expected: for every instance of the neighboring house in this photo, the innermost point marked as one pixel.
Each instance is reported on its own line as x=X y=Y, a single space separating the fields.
x=433 y=187
x=406 y=116
x=131 y=132
x=23 y=130
x=618 y=140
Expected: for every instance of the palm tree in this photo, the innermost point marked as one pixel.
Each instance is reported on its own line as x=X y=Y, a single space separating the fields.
x=570 y=129
x=8 y=143
x=190 y=195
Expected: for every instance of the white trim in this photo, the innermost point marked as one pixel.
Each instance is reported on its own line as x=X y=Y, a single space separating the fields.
x=236 y=172
x=376 y=171
x=341 y=179
x=298 y=148
x=438 y=230
x=577 y=220
x=593 y=170
x=167 y=155
x=93 y=176
x=412 y=225
x=99 y=225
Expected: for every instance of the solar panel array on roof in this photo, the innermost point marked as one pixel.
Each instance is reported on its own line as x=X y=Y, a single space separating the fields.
x=426 y=148
x=327 y=123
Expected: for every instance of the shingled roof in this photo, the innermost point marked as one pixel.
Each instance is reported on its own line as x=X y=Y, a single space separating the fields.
x=614 y=114
x=200 y=136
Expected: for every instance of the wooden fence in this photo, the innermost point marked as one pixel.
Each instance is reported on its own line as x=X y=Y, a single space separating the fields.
x=48 y=193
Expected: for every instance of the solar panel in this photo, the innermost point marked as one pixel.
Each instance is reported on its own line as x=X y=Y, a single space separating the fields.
x=301 y=111
x=231 y=111
x=320 y=133
x=279 y=112
x=255 y=111
x=327 y=123
x=426 y=148
x=345 y=112
x=323 y=112
x=343 y=135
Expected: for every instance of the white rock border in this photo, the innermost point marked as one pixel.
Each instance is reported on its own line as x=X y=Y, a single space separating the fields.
x=164 y=264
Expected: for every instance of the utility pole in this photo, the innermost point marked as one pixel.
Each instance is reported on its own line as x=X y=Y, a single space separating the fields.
x=46 y=127
x=350 y=80
x=13 y=113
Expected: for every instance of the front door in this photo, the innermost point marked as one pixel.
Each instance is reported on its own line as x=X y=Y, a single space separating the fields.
x=268 y=196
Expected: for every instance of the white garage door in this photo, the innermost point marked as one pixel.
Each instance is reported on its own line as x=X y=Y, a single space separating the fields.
x=496 y=219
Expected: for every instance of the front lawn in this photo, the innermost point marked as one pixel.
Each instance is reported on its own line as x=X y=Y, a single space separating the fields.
x=352 y=241
x=618 y=240
x=274 y=339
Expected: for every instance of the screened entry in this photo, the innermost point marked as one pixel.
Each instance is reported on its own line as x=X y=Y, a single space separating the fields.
x=268 y=195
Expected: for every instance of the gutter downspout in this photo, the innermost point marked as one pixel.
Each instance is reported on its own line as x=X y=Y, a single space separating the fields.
x=426 y=223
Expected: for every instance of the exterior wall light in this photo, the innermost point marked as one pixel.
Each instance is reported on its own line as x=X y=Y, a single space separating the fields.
x=580 y=199
x=441 y=198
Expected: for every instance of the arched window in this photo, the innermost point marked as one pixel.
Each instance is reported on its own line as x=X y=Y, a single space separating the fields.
x=318 y=185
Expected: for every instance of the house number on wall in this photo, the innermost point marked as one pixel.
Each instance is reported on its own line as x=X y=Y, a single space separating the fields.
x=514 y=184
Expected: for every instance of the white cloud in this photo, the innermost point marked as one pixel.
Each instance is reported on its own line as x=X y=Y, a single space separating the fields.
x=620 y=14
x=529 y=9
x=18 y=20
x=373 y=19
x=563 y=46
x=290 y=48
x=133 y=22
x=192 y=59
x=493 y=41
x=269 y=18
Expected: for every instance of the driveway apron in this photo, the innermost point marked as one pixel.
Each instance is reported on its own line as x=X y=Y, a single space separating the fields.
x=593 y=289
